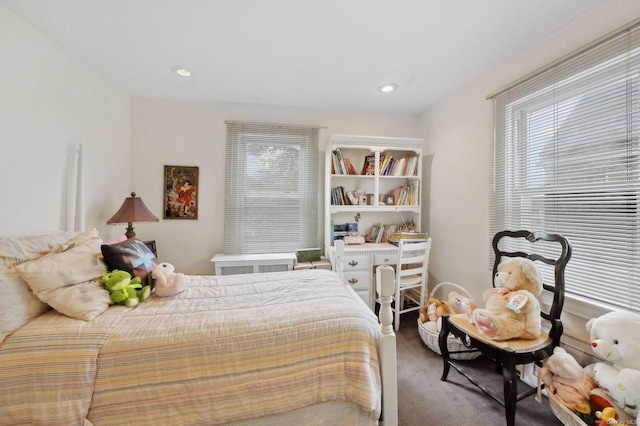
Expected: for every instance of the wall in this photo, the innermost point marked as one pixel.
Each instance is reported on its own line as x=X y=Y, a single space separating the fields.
x=194 y=134
x=457 y=131
x=50 y=102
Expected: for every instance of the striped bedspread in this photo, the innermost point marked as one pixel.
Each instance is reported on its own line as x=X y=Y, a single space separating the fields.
x=229 y=348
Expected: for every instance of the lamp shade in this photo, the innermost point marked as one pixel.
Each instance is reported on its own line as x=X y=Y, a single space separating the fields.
x=132 y=210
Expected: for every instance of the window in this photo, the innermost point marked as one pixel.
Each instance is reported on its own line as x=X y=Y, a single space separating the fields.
x=566 y=159
x=271 y=197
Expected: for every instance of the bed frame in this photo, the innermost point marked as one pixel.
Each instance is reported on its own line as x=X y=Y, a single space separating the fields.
x=385 y=288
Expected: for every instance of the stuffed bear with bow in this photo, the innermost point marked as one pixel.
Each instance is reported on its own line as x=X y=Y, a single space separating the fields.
x=511 y=308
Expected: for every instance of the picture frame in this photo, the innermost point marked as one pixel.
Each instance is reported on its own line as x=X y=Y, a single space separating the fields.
x=181 y=192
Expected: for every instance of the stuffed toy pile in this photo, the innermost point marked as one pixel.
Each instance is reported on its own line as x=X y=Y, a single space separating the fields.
x=167 y=281
x=605 y=392
x=456 y=303
x=511 y=308
x=567 y=381
x=124 y=290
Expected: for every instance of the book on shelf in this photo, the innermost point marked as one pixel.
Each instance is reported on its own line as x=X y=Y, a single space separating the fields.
x=396 y=237
x=369 y=167
x=350 y=169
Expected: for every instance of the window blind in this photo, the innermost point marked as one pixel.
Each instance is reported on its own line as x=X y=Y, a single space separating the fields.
x=566 y=158
x=271 y=195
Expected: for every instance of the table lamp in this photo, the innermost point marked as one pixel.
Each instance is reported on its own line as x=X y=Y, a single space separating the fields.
x=132 y=210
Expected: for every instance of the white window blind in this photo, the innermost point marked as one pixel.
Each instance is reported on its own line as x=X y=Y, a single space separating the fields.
x=271 y=196
x=566 y=159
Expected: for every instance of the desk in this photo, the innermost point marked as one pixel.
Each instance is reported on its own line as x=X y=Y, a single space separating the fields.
x=359 y=263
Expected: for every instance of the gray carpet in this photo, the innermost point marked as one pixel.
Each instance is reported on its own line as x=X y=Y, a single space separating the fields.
x=425 y=400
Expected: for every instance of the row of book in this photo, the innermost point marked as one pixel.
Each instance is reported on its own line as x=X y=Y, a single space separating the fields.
x=380 y=233
x=389 y=166
x=340 y=197
x=402 y=196
x=405 y=195
x=405 y=166
x=341 y=165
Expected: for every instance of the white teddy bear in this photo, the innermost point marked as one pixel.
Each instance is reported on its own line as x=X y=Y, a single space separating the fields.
x=615 y=337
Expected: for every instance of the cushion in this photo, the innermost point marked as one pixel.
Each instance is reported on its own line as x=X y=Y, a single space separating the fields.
x=16 y=250
x=69 y=280
x=131 y=255
x=18 y=304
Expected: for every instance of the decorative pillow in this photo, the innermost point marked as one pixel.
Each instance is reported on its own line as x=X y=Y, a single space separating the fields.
x=18 y=304
x=132 y=256
x=69 y=281
x=17 y=250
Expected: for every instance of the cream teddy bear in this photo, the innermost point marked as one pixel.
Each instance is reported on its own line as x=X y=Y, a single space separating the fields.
x=167 y=281
x=511 y=308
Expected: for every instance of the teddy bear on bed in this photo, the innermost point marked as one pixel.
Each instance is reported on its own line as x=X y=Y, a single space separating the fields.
x=615 y=338
x=511 y=308
x=124 y=290
x=167 y=281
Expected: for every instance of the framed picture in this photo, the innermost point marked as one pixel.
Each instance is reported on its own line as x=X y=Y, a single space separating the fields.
x=180 y=192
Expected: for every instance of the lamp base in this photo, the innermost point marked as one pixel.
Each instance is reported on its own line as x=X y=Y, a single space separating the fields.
x=130 y=233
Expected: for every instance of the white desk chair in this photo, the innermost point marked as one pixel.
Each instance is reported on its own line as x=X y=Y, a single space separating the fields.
x=411 y=277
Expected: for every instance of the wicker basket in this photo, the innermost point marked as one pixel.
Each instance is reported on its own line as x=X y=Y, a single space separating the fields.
x=566 y=416
x=430 y=337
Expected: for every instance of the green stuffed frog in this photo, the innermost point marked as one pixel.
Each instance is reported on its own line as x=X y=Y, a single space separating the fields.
x=124 y=290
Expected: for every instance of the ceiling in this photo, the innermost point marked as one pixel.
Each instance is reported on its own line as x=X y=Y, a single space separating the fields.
x=322 y=53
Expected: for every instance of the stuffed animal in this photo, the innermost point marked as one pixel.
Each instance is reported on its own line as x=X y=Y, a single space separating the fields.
x=167 y=281
x=123 y=290
x=433 y=310
x=511 y=308
x=461 y=303
x=567 y=381
x=615 y=338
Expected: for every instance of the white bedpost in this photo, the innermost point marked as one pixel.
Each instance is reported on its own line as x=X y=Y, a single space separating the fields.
x=385 y=287
x=79 y=207
x=72 y=191
x=339 y=266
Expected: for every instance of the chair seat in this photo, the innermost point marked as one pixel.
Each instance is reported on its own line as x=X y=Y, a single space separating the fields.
x=461 y=321
x=410 y=280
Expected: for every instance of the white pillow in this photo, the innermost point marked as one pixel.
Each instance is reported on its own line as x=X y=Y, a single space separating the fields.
x=18 y=304
x=68 y=281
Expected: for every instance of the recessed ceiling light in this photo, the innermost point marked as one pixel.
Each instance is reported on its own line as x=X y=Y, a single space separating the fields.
x=387 y=87
x=183 y=72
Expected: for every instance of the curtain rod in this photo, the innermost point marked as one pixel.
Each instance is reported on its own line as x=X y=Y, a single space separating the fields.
x=302 y=126
x=565 y=58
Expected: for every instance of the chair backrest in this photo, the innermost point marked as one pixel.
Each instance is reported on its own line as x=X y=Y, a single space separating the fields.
x=413 y=258
x=544 y=248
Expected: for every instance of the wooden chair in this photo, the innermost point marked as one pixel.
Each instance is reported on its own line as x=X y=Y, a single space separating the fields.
x=411 y=277
x=551 y=254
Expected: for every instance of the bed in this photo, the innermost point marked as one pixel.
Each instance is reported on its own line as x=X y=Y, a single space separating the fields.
x=295 y=347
